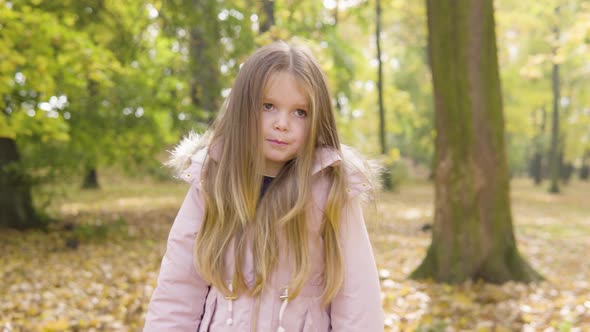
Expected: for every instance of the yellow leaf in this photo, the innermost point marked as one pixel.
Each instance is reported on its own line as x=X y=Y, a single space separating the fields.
x=58 y=325
x=502 y=328
x=462 y=300
x=527 y=318
x=447 y=288
x=406 y=290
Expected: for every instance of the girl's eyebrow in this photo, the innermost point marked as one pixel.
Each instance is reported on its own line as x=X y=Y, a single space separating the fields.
x=273 y=101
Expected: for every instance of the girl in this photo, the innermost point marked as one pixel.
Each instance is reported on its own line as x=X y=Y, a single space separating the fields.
x=271 y=235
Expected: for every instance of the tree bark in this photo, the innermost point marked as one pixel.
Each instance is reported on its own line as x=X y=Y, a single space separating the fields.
x=16 y=204
x=472 y=234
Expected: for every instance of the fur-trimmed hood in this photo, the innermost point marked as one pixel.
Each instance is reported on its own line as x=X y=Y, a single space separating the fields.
x=193 y=149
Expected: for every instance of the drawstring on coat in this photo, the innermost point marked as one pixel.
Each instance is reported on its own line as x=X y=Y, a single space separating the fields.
x=285 y=298
x=230 y=299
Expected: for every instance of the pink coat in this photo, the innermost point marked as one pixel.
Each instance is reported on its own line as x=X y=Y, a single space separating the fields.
x=183 y=301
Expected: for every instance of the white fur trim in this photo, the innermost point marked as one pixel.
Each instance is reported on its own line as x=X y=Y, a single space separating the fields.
x=185 y=152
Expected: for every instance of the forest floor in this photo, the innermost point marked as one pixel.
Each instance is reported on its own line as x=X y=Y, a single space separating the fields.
x=99 y=275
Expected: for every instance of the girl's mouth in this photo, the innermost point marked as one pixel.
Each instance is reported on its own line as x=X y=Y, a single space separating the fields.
x=276 y=141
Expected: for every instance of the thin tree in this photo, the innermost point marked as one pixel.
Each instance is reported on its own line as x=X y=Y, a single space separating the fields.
x=387 y=183
x=91 y=177
x=585 y=168
x=536 y=166
x=380 y=77
x=204 y=50
x=268 y=6
x=554 y=160
x=472 y=235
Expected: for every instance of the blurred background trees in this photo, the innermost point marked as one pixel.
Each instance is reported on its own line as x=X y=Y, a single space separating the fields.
x=92 y=85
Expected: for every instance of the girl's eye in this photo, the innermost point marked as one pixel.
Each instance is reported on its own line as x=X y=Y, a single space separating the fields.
x=267 y=106
x=301 y=113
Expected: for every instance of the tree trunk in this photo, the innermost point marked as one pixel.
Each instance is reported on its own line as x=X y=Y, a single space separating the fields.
x=268 y=7
x=387 y=181
x=554 y=154
x=585 y=169
x=472 y=234
x=380 y=78
x=205 y=50
x=91 y=154
x=535 y=167
x=336 y=11
x=16 y=204
x=536 y=170
x=91 y=179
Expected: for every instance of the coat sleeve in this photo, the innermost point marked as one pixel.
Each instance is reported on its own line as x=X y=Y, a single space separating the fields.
x=178 y=300
x=357 y=305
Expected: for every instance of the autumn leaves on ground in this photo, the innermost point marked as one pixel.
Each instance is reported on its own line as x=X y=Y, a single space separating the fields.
x=97 y=266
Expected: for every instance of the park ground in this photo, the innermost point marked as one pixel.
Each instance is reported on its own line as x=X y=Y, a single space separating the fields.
x=96 y=267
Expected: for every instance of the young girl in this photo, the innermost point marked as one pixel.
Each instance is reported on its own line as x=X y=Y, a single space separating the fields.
x=271 y=235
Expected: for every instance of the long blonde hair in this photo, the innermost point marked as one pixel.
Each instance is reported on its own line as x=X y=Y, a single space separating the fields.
x=235 y=214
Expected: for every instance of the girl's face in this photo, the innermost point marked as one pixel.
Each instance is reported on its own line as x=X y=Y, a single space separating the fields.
x=284 y=121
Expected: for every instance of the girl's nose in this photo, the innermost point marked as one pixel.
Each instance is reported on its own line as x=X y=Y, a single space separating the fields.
x=281 y=121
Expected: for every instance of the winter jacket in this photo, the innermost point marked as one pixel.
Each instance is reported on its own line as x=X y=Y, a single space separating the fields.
x=183 y=301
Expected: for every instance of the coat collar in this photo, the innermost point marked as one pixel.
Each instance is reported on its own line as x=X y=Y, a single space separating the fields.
x=363 y=176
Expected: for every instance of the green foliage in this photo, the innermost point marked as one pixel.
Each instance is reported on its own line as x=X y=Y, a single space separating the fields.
x=136 y=75
x=84 y=99
x=527 y=53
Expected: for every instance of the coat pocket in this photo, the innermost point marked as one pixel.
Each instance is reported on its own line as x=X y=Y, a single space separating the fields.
x=210 y=308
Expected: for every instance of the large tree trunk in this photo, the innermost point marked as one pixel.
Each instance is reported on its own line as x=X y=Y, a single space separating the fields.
x=16 y=205
x=472 y=235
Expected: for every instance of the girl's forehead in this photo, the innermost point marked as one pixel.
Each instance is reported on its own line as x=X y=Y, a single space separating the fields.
x=284 y=83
